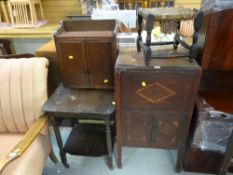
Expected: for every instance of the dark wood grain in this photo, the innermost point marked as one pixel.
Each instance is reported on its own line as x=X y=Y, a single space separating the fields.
x=84 y=103
x=87 y=52
x=217 y=33
x=67 y=103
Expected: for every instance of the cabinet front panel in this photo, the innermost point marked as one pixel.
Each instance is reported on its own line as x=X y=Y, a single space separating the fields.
x=73 y=64
x=101 y=64
x=153 y=90
x=136 y=128
x=165 y=129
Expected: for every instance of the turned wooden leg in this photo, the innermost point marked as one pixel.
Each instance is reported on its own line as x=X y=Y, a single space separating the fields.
x=109 y=143
x=59 y=142
x=180 y=156
x=53 y=156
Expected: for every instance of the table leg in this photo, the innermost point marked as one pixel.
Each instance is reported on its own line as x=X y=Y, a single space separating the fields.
x=53 y=156
x=109 y=143
x=179 y=160
x=59 y=142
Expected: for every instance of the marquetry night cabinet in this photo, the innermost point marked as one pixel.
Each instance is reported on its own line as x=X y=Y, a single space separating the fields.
x=154 y=103
x=87 y=52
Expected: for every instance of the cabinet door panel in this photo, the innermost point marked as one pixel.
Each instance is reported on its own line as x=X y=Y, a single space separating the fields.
x=73 y=64
x=136 y=128
x=153 y=90
x=165 y=131
x=101 y=63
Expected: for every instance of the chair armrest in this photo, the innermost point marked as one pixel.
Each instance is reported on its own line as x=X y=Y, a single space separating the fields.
x=24 y=143
x=24 y=55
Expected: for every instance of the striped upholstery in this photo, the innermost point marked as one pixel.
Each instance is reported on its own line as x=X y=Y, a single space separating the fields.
x=32 y=161
x=23 y=91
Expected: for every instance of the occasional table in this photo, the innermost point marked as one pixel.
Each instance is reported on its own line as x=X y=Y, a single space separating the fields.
x=67 y=103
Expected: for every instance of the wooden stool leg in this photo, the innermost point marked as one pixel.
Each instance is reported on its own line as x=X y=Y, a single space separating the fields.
x=41 y=10
x=59 y=142
x=109 y=143
x=4 y=8
x=32 y=14
x=179 y=160
x=11 y=13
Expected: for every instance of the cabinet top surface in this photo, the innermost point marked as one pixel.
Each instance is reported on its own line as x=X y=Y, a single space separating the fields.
x=129 y=58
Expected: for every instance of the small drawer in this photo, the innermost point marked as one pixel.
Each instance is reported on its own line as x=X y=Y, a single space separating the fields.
x=152 y=90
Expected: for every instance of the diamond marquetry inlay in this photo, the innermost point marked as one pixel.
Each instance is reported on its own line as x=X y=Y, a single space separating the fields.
x=155 y=93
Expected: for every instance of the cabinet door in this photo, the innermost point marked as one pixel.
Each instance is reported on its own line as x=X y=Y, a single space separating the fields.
x=165 y=129
x=136 y=128
x=73 y=63
x=101 y=63
x=153 y=90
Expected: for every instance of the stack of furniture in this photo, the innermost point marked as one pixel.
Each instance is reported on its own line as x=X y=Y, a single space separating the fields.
x=86 y=53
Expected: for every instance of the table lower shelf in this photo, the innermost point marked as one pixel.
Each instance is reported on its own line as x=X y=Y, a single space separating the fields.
x=88 y=140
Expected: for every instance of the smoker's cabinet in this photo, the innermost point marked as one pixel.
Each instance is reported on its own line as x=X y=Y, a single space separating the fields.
x=87 y=52
x=154 y=103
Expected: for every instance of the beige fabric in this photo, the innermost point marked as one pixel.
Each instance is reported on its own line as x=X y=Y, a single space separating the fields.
x=32 y=161
x=187 y=28
x=23 y=91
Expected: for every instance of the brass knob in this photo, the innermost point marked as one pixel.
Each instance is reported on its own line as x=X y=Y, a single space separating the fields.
x=105 y=81
x=71 y=57
x=143 y=83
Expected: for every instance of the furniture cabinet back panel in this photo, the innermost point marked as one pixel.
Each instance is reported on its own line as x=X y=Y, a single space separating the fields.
x=101 y=61
x=73 y=64
x=153 y=90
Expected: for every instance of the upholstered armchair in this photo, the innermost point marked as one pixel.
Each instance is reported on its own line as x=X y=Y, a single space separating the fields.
x=24 y=137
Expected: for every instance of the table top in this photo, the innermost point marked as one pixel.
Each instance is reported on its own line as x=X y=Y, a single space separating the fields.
x=45 y=31
x=47 y=49
x=67 y=102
